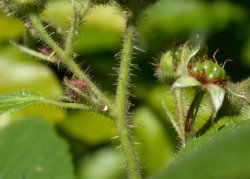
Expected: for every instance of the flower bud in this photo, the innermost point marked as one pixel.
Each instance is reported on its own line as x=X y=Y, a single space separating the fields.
x=75 y=88
x=167 y=66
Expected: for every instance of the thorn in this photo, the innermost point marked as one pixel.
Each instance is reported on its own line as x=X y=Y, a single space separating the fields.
x=117 y=55
x=115 y=137
x=51 y=55
x=122 y=167
x=137 y=48
x=118 y=147
x=105 y=108
x=52 y=33
x=47 y=26
x=137 y=143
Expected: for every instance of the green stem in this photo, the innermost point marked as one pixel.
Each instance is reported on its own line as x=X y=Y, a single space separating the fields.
x=34 y=53
x=192 y=112
x=77 y=20
x=172 y=119
x=45 y=36
x=122 y=104
x=180 y=114
x=68 y=61
x=82 y=76
x=66 y=105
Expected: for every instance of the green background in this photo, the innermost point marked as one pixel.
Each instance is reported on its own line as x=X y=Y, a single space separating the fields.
x=219 y=24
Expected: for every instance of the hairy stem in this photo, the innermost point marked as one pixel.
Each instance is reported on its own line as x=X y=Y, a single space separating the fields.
x=173 y=120
x=45 y=36
x=180 y=114
x=79 y=12
x=66 y=105
x=34 y=53
x=68 y=61
x=192 y=112
x=122 y=104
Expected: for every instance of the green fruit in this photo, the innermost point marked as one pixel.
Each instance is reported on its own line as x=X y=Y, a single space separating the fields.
x=208 y=70
x=210 y=76
x=197 y=67
x=208 y=66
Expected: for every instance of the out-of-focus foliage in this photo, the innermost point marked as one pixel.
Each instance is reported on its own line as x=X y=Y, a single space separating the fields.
x=89 y=127
x=219 y=24
x=7 y=23
x=21 y=73
x=150 y=136
x=105 y=163
x=221 y=155
x=31 y=149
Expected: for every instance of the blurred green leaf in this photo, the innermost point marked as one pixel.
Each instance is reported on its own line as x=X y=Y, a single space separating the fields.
x=167 y=18
x=58 y=13
x=246 y=53
x=154 y=145
x=10 y=27
x=103 y=164
x=174 y=16
x=224 y=154
x=90 y=127
x=21 y=73
x=101 y=31
x=16 y=101
x=30 y=148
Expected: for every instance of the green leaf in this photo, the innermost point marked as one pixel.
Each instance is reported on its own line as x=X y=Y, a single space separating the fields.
x=10 y=27
x=90 y=127
x=154 y=144
x=30 y=148
x=104 y=163
x=186 y=81
x=223 y=155
x=16 y=101
x=18 y=71
x=217 y=95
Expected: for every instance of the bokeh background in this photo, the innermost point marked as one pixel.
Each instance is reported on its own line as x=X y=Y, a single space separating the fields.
x=219 y=24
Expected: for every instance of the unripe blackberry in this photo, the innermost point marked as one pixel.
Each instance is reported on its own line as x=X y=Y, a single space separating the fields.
x=208 y=72
x=22 y=8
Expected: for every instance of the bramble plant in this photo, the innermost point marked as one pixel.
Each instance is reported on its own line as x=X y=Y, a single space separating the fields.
x=205 y=100
x=182 y=69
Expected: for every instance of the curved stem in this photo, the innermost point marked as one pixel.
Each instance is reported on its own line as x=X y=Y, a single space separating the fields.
x=45 y=36
x=68 y=61
x=122 y=104
x=82 y=76
x=77 y=20
x=34 y=53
